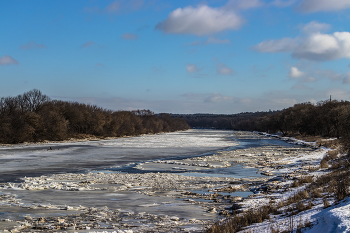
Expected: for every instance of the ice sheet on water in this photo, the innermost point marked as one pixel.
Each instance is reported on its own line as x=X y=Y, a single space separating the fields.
x=106 y=153
x=207 y=138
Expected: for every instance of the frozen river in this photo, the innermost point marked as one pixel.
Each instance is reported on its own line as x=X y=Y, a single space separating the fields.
x=146 y=182
x=33 y=160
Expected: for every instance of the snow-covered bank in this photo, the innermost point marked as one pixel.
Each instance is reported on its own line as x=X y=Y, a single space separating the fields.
x=334 y=219
x=315 y=212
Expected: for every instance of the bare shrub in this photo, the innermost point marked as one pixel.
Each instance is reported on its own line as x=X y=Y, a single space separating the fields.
x=333 y=154
x=331 y=186
x=237 y=222
x=302 y=180
x=324 y=162
x=295 y=184
x=300 y=207
x=297 y=197
x=326 y=203
x=316 y=193
x=312 y=169
x=331 y=143
x=341 y=191
x=305 y=179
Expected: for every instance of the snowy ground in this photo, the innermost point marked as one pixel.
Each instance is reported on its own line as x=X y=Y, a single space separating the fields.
x=334 y=219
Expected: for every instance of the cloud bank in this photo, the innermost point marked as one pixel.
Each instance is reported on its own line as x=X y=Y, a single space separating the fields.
x=315 y=47
x=310 y=6
x=346 y=79
x=192 y=68
x=117 y=7
x=223 y=69
x=129 y=36
x=7 y=60
x=88 y=44
x=295 y=73
x=244 y=4
x=201 y=20
x=32 y=45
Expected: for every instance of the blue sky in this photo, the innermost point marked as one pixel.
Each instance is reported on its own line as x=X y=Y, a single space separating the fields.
x=177 y=56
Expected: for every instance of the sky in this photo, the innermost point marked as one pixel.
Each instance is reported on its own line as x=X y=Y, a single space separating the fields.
x=177 y=56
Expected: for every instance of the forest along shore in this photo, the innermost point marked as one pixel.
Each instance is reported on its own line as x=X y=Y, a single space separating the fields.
x=203 y=190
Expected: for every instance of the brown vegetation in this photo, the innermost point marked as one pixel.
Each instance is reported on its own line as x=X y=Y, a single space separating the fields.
x=331 y=186
x=33 y=117
x=306 y=121
x=238 y=222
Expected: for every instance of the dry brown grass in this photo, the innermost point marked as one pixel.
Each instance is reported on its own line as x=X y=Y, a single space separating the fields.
x=330 y=156
x=334 y=184
x=333 y=154
x=320 y=141
x=315 y=193
x=302 y=180
x=237 y=222
x=324 y=162
x=299 y=196
x=326 y=203
x=308 y=138
x=330 y=143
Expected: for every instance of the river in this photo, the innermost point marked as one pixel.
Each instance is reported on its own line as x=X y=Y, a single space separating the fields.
x=142 y=155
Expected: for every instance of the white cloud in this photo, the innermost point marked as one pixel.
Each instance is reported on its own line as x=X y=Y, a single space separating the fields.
x=294 y=72
x=284 y=101
x=309 y=79
x=346 y=79
x=316 y=47
x=7 y=60
x=223 y=69
x=210 y=40
x=216 y=97
x=213 y=40
x=315 y=27
x=158 y=69
x=329 y=74
x=195 y=43
x=323 y=5
x=201 y=20
x=300 y=86
x=31 y=45
x=117 y=7
x=113 y=7
x=219 y=102
x=99 y=65
x=129 y=36
x=244 y=4
x=276 y=46
x=337 y=93
x=208 y=97
x=88 y=44
x=192 y=68
x=322 y=47
x=282 y=3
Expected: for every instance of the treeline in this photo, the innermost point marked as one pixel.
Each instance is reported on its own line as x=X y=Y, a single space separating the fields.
x=240 y=121
x=330 y=118
x=34 y=117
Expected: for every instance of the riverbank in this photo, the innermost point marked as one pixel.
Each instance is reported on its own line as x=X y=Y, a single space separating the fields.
x=309 y=194
x=168 y=195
